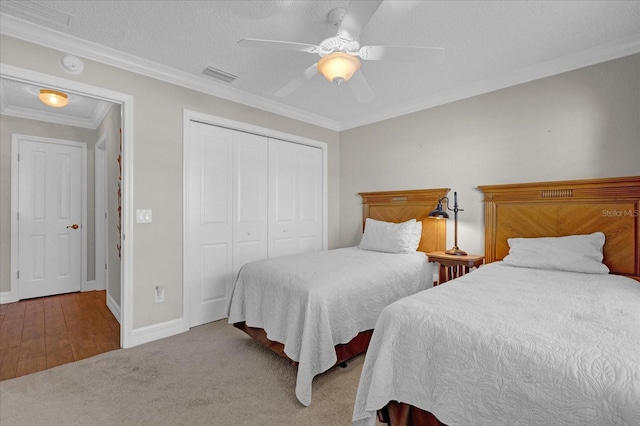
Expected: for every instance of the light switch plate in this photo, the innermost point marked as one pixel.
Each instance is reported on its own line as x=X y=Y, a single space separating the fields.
x=143 y=216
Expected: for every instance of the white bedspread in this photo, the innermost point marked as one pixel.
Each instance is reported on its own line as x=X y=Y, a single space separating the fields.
x=510 y=346
x=312 y=302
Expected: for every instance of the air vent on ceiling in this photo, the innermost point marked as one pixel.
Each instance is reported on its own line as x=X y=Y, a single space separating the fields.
x=38 y=12
x=218 y=74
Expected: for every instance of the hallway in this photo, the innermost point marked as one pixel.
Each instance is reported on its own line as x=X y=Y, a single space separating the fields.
x=41 y=333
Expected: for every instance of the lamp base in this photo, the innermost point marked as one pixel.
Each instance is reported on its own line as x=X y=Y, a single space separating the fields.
x=456 y=251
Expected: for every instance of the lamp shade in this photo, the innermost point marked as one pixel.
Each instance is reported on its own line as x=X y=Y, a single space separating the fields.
x=439 y=212
x=338 y=66
x=53 y=98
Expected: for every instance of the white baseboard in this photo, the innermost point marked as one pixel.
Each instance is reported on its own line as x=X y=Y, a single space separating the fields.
x=6 y=297
x=89 y=286
x=114 y=308
x=158 y=331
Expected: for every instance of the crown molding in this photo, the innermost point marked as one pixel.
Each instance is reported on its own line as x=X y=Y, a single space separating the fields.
x=24 y=30
x=27 y=31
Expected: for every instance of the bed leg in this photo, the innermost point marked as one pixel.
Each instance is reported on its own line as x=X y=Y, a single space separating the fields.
x=343 y=364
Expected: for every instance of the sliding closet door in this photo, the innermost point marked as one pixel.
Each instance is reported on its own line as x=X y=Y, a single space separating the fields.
x=208 y=259
x=295 y=198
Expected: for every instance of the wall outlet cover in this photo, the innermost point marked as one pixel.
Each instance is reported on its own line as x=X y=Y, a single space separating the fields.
x=143 y=216
x=159 y=294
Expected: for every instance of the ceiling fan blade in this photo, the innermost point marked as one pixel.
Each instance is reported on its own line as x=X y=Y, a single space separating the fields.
x=282 y=45
x=357 y=17
x=360 y=87
x=297 y=82
x=401 y=53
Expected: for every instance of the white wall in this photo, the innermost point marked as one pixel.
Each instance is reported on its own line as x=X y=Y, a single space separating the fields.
x=577 y=125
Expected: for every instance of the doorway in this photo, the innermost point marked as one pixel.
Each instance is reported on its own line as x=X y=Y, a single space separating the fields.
x=124 y=308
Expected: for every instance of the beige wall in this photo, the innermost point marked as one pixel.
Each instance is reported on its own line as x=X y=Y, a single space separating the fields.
x=157 y=165
x=577 y=125
x=10 y=125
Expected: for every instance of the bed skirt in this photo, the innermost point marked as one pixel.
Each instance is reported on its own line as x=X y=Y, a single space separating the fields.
x=344 y=352
x=401 y=414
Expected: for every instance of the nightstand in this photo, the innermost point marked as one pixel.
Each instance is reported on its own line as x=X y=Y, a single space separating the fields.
x=453 y=266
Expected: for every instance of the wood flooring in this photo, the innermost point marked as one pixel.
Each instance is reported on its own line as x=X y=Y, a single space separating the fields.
x=37 y=334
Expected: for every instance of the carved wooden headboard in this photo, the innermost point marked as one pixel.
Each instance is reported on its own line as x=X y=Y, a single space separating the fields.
x=552 y=209
x=400 y=206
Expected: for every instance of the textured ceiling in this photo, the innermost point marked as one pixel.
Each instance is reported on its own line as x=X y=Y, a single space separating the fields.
x=488 y=45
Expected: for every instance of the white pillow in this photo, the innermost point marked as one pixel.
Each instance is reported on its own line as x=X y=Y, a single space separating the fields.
x=416 y=236
x=391 y=237
x=574 y=253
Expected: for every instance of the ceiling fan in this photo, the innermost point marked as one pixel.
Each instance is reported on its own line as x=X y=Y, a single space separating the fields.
x=339 y=55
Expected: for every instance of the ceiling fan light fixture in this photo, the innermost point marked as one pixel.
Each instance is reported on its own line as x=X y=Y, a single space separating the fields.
x=53 y=98
x=338 y=66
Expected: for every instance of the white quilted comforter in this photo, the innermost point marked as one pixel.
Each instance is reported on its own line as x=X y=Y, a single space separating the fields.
x=510 y=346
x=312 y=302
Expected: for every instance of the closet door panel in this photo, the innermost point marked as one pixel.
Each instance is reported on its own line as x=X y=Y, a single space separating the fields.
x=283 y=186
x=295 y=198
x=250 y=160
x=212 y=256
x=248 y=197
x=309 y=195
x=209 y=243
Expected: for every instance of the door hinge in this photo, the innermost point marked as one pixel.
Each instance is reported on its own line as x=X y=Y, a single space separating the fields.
x=18 y=275
x=18 y=156
x=105 y=266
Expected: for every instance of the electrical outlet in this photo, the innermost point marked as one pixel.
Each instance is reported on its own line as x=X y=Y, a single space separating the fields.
x=159 y=294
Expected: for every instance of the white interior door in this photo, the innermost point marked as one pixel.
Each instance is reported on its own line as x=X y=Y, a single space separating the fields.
x=209 y=222
x=50 y=199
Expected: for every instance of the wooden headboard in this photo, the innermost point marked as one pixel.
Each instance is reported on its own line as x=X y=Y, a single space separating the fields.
x=553 y=209
x=400 y=206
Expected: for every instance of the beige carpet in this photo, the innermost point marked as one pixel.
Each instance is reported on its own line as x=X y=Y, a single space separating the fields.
x=211 y=375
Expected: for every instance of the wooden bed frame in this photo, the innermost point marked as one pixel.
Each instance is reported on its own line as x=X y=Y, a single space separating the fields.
x=553 y=209
x=389 y=206
x=400 y=206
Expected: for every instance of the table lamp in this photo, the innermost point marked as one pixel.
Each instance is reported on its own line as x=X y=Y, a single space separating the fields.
x=441 y=213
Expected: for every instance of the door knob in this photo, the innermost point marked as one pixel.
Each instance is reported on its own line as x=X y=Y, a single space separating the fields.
x=74 y=226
